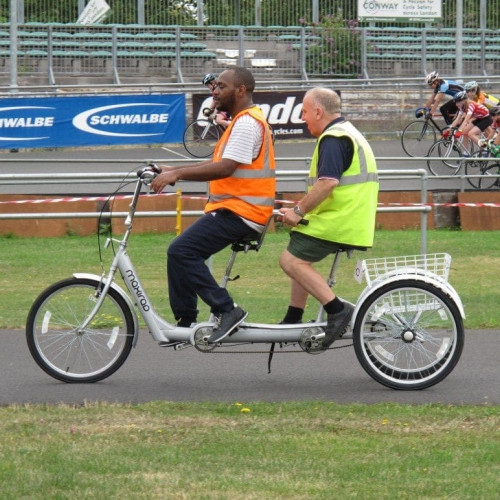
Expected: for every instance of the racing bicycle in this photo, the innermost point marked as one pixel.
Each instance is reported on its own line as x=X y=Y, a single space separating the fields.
x=419 y=135
x=201 y=136
x=407 y=328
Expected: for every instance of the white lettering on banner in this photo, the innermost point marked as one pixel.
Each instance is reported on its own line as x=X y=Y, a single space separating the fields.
x=277 y=114
x=129 y=119
x=38 y=121
x=25 y=122
x=88 y=120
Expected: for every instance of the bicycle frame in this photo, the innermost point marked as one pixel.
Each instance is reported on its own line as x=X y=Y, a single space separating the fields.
x=166 y=333
x=407 y=325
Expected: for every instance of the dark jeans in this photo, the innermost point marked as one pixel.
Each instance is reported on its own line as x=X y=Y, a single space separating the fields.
x=188 y=275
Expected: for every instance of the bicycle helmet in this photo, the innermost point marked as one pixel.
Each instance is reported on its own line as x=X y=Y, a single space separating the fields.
x=460 y=96
x=431 y=77
x=471 y=86
x=495 y=111
x=208 y=78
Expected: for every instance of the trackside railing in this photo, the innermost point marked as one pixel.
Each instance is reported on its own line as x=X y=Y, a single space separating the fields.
x=282 y=175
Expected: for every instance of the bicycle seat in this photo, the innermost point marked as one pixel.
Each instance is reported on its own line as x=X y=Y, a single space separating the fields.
x=252 y=242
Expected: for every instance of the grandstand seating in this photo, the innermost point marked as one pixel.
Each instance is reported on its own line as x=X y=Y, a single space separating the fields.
x=57 y=51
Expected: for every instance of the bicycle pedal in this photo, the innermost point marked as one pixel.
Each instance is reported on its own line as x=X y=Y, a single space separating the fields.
x=173 y=344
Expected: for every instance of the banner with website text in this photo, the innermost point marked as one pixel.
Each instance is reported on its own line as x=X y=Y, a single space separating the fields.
x=282 y=110
x=91 y=120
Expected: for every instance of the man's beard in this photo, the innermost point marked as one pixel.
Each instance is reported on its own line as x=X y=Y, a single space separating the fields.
x=227 y=105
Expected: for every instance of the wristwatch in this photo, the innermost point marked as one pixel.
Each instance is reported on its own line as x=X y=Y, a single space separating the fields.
x=297 y=210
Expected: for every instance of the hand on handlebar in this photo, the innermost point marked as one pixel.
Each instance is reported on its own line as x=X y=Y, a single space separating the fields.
x=166 y=178
x=290 y=218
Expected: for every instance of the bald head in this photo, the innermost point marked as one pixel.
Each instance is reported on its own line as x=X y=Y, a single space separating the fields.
x=320 y=106
x=325 y=98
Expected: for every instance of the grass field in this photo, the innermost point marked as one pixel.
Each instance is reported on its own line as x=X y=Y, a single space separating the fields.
x=295 y=450
x=30 y=264
x=314 y=450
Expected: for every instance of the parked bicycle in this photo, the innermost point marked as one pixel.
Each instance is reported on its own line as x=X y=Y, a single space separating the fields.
x=407 y=327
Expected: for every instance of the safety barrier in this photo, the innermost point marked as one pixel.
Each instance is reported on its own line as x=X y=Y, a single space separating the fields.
x=5 y=179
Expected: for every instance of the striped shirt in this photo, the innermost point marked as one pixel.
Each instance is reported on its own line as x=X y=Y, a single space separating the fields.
x=245 y=141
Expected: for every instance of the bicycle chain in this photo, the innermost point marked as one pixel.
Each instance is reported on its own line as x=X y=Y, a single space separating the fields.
x=215 y=351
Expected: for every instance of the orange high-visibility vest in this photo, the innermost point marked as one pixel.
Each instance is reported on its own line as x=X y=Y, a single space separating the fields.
x=250 y=191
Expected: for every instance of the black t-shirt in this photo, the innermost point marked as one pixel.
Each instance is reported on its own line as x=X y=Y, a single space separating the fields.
x=334 y=155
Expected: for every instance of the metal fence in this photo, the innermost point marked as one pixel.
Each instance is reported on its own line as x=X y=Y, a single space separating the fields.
x=71 y=54
x=476 y=13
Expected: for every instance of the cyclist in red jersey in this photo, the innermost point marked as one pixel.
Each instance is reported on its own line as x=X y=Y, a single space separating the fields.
x=473 y=118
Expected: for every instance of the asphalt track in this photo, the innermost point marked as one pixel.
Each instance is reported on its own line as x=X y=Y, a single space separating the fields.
x=291 y=155
x=155 y=373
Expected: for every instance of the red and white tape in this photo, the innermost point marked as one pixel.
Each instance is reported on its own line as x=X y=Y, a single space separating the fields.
x=189 y=197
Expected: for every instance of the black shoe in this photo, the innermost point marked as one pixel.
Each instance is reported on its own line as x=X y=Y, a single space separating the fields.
x=336 y=324
x=228 y=322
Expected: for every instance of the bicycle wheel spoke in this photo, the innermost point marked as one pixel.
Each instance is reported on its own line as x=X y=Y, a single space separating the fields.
x=417 y=137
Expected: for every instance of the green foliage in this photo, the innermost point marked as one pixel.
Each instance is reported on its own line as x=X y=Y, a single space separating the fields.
x=335 y=49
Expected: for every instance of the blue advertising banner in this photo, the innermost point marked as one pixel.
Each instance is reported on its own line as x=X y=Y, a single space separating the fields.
x=91 y=120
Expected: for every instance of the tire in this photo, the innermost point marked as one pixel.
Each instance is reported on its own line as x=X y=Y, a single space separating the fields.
x=475 y=166
x=65 y=353
x=489 y=180
x=200 y=138
x=445 y=158
x=418 y=136
x=408 y=335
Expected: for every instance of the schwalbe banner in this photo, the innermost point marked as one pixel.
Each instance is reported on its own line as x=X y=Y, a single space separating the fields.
x=91 y=120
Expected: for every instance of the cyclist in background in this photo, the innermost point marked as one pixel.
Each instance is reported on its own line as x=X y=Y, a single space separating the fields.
x=220 y=117
x=473 y=118
x=440 y=89
x=494 y=142
x=475 y=93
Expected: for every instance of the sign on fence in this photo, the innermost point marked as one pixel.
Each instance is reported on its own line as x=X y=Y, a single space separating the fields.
x=91 y=120
x=400 y=10
x=94 y=12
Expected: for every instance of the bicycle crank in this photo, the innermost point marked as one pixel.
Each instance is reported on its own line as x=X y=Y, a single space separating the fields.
x=311 y=340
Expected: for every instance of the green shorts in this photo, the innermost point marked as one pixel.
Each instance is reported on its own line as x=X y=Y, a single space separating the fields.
x=309 y=248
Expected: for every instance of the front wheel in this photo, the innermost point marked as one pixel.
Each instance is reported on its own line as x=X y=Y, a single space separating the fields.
x=417 y=137
x=445 y=158
x=491 y=177
x=200 y=138
x=475 y=166
x=66 y=351
x=408 y=335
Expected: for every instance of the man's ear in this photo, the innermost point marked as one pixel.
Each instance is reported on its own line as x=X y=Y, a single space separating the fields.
x=241 y=90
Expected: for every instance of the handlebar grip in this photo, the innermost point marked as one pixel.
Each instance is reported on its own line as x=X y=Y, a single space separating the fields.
x=156 y=169
x=304 y=222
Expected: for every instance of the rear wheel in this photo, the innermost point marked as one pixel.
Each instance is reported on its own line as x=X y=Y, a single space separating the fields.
x=418 y=136
x=408 y=335
x=68 y=352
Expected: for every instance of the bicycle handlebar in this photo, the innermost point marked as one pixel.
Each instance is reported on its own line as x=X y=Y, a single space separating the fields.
x=151 y=170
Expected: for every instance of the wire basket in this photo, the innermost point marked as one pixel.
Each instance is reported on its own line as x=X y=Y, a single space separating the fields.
x=435 y=265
